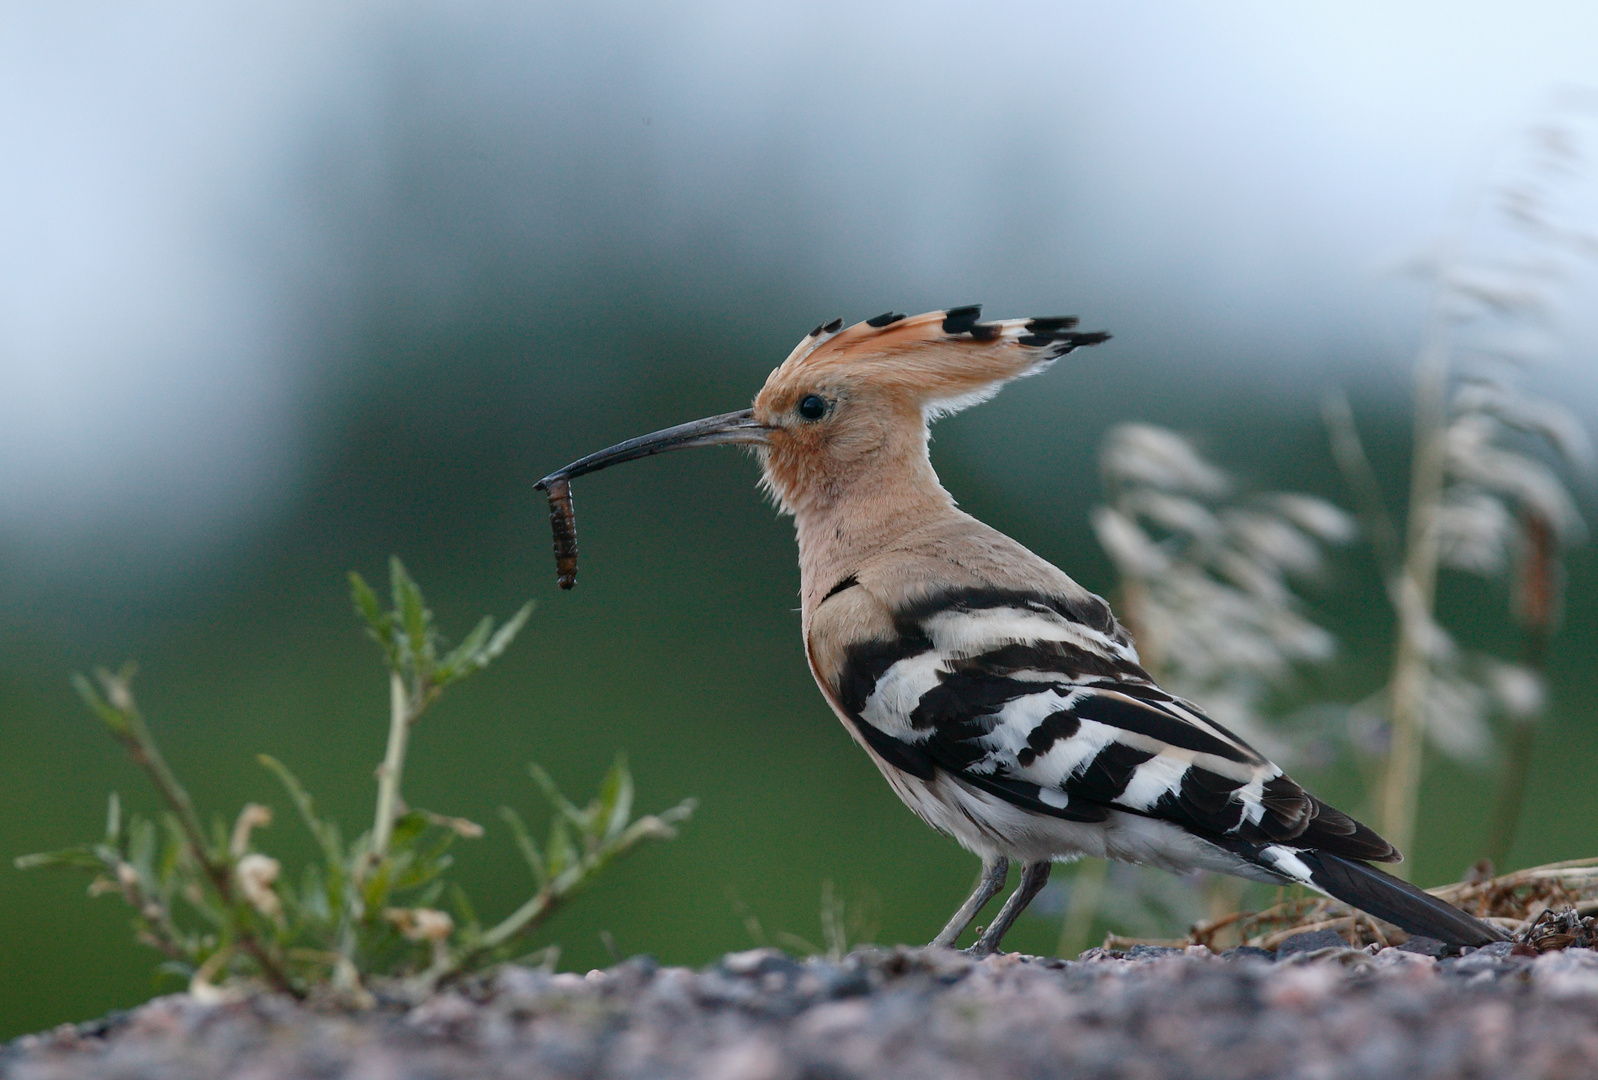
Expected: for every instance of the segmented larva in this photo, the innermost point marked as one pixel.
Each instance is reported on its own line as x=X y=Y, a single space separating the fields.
x=563 y=523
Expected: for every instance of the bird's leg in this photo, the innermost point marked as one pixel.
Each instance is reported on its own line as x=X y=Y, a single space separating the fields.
x=1033 y=877
x=994 y=871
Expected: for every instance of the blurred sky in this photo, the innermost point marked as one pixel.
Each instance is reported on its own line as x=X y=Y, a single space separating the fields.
x=188 y=192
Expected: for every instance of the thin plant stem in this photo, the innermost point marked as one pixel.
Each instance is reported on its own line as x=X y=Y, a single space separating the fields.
x=162 y=934
x=1511 y=796
x=1409 y=574
x=402 y=713
x=1399 y=793
x=135 y=736
x=401 y=716
x=1349 y=452
x=1537 y=605
x=1414 y=591
x=542 y=904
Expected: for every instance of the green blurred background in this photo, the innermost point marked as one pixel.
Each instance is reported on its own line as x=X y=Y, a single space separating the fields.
x=288 y=292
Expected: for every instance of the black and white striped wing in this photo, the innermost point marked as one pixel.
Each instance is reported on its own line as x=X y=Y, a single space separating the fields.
x=1040 y=701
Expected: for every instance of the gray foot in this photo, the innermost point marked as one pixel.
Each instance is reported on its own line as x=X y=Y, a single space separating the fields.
x=1033 y=878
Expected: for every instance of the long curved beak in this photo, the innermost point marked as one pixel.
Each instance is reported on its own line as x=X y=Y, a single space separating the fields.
x=734 y=428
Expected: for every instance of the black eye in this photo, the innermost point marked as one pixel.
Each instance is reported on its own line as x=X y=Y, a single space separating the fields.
x=813 y=407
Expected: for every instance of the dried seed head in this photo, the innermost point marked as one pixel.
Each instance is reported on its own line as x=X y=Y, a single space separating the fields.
x=1207 y=574
x=1143 y=454
x=1317 y=517
x=1134 y=552
x=1517 y=689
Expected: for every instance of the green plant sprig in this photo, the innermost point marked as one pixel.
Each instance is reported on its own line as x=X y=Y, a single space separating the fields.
x=370 y=911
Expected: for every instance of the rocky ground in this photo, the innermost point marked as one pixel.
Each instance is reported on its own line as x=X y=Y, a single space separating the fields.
x=1317 y=1008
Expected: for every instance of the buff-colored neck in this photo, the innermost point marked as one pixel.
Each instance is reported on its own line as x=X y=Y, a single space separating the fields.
x=885 y=497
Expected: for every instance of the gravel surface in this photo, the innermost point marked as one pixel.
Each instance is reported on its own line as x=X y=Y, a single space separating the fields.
x=1316 y=1009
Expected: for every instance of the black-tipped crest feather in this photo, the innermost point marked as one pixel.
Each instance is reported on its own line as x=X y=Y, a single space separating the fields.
x=960 y=320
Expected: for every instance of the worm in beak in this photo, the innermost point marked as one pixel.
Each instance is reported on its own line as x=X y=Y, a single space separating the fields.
x=735 y=428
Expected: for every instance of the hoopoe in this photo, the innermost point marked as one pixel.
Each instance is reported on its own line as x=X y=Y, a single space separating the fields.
x=1001 y=700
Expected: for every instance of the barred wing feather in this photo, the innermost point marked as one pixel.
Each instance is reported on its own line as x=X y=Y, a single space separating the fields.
x=1041 y=702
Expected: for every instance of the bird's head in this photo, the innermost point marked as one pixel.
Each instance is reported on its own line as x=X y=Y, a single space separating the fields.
x=854 y=401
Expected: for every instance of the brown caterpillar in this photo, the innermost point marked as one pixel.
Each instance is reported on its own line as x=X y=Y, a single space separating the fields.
x=563 y=523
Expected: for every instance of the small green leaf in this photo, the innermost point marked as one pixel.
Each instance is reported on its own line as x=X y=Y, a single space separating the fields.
x=142 y=840
x=425 y=865
x=408 y=827
x=525 y=844
x=378 y=624
x=615 y=799
x=314 y=896
x=506 y=634
x=562 y=853
x=465 y=658
x=76 y=858
x=177 y=843
x=413 y=614
x=109 y=716
x=420 y=873
x=565 y=806
x=376 y=888
x=171 y=858
x=113 y=819
x=465 y=913
x=325 y=833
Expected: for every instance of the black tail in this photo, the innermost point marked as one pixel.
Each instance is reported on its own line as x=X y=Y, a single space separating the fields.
x=1363 y=886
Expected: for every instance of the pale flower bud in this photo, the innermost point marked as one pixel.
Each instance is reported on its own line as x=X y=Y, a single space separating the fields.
x=421 y=924
x=256 y=873
x=253 y=816
x=434 y=925
x=119 y=694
